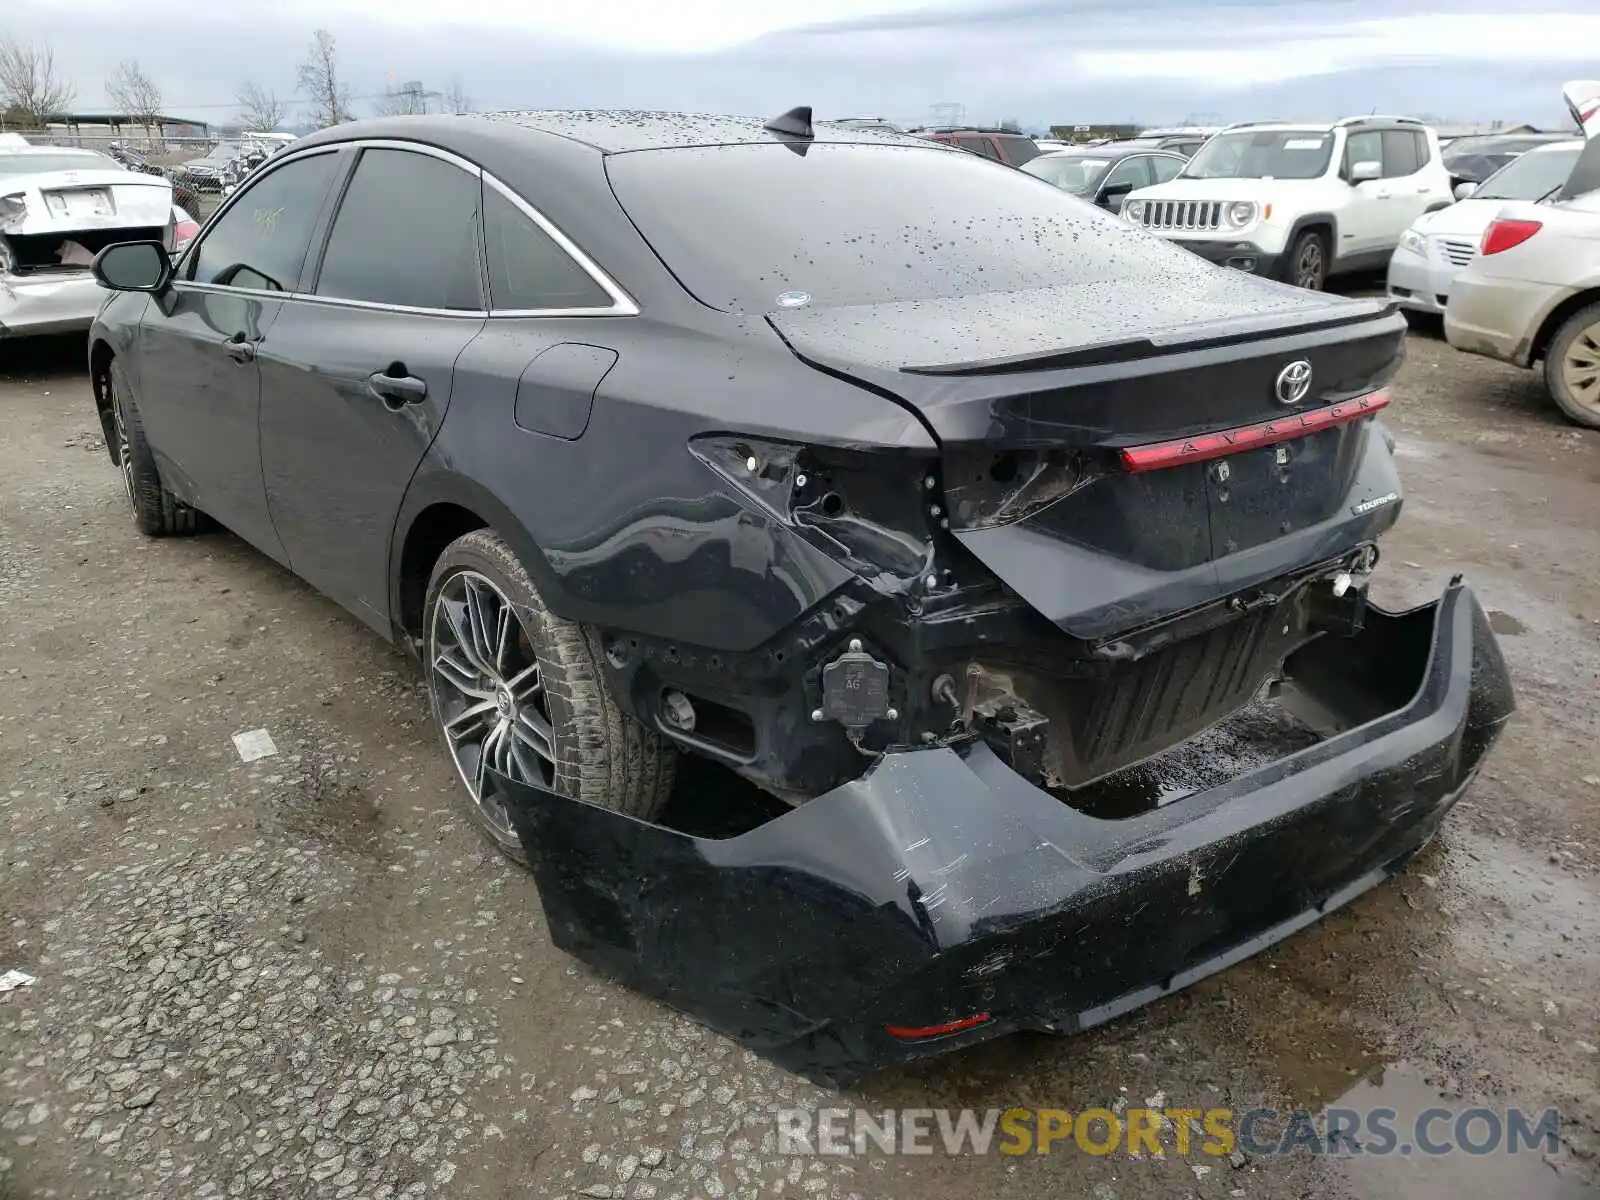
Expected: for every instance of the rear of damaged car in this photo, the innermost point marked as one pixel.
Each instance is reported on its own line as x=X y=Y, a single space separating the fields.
x=58 y=209
x=1053 y=662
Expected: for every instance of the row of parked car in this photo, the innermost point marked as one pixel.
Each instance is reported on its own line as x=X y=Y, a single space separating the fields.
x=1306 y=202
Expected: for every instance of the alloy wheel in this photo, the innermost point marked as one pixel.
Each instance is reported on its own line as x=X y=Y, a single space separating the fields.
x=119 y=425
x=488 y=694
x=1580 y=368
x=1308 y=267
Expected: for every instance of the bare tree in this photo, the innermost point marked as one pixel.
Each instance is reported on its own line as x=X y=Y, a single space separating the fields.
x=29 y=85
x=319 y=80
x=135 y=94
x=456 y=99
x=260 y=109
x=407 y=101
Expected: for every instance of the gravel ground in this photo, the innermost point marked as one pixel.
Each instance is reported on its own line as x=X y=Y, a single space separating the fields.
x=307 y=976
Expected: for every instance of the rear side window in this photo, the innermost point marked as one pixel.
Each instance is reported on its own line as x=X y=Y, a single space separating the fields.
x=261 y=241
x=1018 y=150
x=527 y=269
x=1399 y=153
x=406 y=234
x=1424 y=153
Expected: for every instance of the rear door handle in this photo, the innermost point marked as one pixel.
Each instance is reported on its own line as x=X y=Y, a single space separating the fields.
x=240 y=348
x=396 y=388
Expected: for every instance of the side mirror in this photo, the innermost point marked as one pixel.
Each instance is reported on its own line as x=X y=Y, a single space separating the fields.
x=1365 y=172
x=1463 y=190
x=133 y=267
x=1112 y=196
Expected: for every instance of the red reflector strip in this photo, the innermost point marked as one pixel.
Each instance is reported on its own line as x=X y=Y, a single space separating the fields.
x=914 y=1032
x=1155 y=455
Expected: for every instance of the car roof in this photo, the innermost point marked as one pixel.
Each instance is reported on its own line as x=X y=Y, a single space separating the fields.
x=610 y=131
x=6 y=148
x=1112 y=150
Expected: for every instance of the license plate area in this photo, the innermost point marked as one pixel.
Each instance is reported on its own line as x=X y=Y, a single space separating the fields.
x=1266 y=493
x=80 y=202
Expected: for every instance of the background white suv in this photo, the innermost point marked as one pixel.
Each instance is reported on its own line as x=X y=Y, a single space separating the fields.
x=1300 y=202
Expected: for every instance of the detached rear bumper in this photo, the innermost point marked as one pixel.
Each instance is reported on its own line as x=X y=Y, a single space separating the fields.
x=49 y=302
x=942 y=886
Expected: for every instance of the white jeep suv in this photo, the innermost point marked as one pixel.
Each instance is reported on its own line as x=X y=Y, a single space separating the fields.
x=1300 y=202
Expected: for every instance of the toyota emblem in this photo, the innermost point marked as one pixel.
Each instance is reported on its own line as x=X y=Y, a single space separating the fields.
x=1294 y=381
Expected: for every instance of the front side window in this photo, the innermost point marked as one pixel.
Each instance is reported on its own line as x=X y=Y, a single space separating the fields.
x=406 y=234
x=1134 y=172
x=1263 y=154
x=527 y=268
x=261 y=241
x=1165 y=167
x=1364 y=147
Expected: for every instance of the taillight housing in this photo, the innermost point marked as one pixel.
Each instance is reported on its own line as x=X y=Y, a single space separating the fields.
x=1508 y=232
x=184 y=228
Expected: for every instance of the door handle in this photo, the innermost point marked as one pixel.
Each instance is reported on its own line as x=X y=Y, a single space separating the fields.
x=240 y=348
x=396 y=387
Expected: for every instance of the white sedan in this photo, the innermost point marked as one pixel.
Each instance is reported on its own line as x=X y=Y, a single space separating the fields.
x=1532 y=293
x=59 y=207
x=1440 y=244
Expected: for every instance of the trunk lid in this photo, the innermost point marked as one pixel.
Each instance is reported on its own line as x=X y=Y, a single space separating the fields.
x=60 y=201
x=1119 y=459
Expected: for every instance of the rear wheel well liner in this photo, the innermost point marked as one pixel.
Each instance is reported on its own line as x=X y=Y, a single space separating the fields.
x=427 y=536
x=1557 y=317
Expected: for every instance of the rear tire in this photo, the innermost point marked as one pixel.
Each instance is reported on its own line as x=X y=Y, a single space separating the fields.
x=156 y=511
x=540 y=681
x=1572 y=367
x=1307 y=263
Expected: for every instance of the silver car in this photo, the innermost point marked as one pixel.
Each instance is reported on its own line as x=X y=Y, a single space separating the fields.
x=1440 y=244
x=60 y=206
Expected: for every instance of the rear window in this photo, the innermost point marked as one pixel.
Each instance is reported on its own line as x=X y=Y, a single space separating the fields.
x=38 y=164
x=760 y=228
x=1530 y=177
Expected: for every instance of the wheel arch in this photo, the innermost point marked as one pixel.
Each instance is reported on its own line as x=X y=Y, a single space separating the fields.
x=100 y=358
x=1557 y=317
x=1323 y=222
x=437 y=510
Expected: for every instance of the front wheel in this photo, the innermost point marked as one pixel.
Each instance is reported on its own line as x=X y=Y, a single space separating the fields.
x=1307 y=264
x=520 y=692
x=156 y=511
x=1572 y=366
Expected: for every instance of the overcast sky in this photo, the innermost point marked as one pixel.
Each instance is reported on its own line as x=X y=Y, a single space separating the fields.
x=1039 y=61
